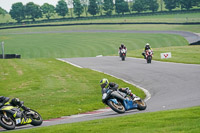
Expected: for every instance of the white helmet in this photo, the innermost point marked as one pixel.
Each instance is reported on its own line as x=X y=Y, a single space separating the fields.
x=147 y=44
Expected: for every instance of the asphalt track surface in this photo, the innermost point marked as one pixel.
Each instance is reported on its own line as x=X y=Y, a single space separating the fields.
x=171 y=85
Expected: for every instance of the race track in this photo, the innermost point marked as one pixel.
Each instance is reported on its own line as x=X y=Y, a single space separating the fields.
x=171 y=85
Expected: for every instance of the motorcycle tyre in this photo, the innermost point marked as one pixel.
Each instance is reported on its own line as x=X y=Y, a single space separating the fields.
x=141 y=104
x=2 y=124
x=36 y=122
x=123 y=58
x=148 y=59
x=110 y=104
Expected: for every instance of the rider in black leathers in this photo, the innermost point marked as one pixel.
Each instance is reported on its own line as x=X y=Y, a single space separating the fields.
x=147 y=47
x=105 y=85
x=122 y=47
x=13 y=102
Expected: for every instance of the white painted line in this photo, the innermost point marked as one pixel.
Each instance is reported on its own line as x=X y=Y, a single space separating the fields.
x=69 y=63
x=148 y=95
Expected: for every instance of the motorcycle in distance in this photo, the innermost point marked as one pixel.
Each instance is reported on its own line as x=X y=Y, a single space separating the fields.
x=123 y=54
x=121 y=102
x=11 y=116
x=149 y=55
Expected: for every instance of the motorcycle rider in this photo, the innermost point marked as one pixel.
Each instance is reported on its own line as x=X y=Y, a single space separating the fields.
x=13 y=102
x=147 y=47
x=122 y=47
x=105 y=85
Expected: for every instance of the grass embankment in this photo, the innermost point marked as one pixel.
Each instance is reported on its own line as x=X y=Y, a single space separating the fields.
x=181 y=120
x=65 y=45
x=138 y=27
x=52 y=87
x=180 y=54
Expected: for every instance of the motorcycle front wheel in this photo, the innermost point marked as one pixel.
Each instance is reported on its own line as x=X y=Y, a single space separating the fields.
x=119 y=108
x=7 y=123
x=141 y=104
x=36 y=118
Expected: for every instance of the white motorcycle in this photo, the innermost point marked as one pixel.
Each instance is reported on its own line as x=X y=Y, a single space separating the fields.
x=123 y=54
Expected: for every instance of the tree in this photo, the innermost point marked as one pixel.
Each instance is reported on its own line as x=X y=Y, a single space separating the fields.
x=171 y=4
x=70 y=4
x=93 y=8
x=2 y=11
x=121 y=6
x=85 y=4
x=33 y=11
x=17 y=11
x=187 y=4
x=140 y=6
x=100 y=6
x=153 y=5
x=61 y=8
x=108 y=6
x=48 y=10
x=78 y=8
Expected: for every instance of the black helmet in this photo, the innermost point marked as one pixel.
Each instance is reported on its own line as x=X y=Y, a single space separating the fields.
x=15 y=101
x=122 y=45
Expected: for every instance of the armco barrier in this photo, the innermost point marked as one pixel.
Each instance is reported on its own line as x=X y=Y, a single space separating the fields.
x=10 y=56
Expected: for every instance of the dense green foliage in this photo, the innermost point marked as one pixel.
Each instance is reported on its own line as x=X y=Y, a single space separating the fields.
x=78 y=8
x=61 y=8
x=108 y=7
x=2 y=11
x=48 y=10
x=33 y=11
x=17 y=11
x=93 y=8
x=121 y=6
x=174 y=121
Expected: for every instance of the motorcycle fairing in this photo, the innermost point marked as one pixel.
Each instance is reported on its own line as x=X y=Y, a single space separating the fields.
x=128 y=104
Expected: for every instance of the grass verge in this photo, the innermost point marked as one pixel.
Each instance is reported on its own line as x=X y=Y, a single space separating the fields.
x=180 y=54
x=65 y=45
x=173 y=121
x=54 y=88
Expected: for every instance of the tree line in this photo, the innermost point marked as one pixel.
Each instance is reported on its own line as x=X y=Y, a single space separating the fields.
x=33 y=11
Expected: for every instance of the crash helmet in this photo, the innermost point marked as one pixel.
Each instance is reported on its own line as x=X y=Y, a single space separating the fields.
x=147 y=44
x=122 y=45
x=104 y=83
x=15 y=101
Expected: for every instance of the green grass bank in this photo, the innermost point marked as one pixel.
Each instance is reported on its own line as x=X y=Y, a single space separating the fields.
x=66 y=45
x=173 y=121
x=180 y=54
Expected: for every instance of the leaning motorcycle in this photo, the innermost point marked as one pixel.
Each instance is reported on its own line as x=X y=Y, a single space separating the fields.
x=121 y=102
x=11 y=116
x=149 y=55
x=123 y=54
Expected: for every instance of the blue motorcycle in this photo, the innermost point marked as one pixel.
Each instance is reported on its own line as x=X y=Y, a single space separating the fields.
x=121 y=102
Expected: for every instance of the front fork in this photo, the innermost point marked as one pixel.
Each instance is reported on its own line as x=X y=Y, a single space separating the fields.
x=5 y=115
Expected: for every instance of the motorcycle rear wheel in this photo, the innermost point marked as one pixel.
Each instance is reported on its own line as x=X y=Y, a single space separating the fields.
x=123 y=58
x=141 y=104
x=119 y=108
x=8 y=124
